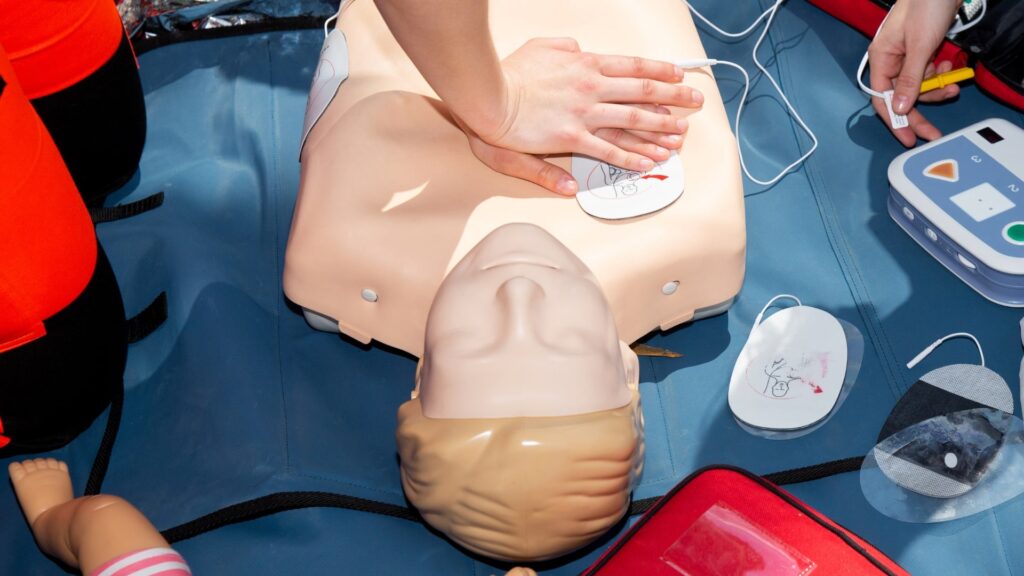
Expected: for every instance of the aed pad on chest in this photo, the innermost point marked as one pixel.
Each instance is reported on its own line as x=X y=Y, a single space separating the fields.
x=613 y=193
x=790 y=374
x=961 y=198
x=331 y=71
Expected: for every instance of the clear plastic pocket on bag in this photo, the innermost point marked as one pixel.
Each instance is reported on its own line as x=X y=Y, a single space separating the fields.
x=723 y=542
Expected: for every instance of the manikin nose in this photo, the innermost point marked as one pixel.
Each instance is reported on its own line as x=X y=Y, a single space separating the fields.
x=519 y=296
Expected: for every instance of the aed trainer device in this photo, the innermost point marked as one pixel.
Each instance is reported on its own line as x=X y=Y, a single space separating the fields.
x=961 y=197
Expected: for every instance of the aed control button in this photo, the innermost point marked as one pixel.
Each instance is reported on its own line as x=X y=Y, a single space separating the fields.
x=931 y=234
x=947 y=170
x=908 y=213
x=1014 y=233
x=967 y=263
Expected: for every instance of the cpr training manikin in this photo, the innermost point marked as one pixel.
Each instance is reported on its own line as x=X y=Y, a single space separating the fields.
x=391 y=196
x=524 y=437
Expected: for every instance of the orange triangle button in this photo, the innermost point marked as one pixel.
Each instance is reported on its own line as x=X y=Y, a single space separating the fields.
x=947 y=170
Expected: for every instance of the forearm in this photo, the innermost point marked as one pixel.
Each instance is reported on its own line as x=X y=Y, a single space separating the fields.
x=450 y=43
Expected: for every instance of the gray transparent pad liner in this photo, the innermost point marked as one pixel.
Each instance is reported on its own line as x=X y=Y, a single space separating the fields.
x=982 y=451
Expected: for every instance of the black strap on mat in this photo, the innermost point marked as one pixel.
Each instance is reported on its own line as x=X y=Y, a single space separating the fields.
x=139 y=326
x=794 y=476
x=815 y=472
x=106 y=448
x=284 y=501
x=122 y=211
x=142 y=44
x=152 y=316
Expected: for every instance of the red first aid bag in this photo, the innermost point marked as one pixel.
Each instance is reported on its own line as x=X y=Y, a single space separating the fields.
x=724 y=521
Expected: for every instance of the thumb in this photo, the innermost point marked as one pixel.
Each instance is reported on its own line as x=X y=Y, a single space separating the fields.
x=907 y=86
x=526 y=167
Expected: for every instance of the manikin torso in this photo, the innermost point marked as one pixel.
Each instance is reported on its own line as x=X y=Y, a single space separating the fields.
x=392 y=197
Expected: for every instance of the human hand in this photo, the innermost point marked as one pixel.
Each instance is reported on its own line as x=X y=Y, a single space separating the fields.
x=560 y=100
x=900 y=57
x=534 y=168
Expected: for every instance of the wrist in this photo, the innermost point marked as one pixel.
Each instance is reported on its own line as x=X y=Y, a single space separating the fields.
x=490 y=116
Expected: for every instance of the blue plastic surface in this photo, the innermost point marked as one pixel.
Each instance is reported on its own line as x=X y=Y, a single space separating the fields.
x=236 y=396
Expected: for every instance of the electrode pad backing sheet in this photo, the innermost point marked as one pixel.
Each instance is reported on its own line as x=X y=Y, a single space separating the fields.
x=236 y=397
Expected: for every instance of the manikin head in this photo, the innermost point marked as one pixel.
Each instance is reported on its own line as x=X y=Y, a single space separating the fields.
x=524 y=436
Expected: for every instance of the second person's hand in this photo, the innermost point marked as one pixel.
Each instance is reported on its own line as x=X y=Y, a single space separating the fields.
x=900 y=57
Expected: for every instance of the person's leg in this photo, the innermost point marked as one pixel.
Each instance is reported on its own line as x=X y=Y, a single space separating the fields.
x=84 y=532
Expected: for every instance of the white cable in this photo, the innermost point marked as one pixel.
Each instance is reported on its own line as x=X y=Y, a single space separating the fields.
x=341 y=9
x=327 y=23
x=895 y=120
x=733 y=34
x=924 y=353
x=864 y=64
x=770 y=15
x=760 y=315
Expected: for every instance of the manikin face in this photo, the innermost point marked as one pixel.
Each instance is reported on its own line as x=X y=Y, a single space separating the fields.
x=520 y=327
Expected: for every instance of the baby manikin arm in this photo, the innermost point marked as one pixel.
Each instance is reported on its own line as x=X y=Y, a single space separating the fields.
x=392 y=196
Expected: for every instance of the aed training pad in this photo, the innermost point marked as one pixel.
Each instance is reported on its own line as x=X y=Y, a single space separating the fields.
x=942 y=436
x=945 y=390
x=946 y=467
x=612 y=193
x=790 y=374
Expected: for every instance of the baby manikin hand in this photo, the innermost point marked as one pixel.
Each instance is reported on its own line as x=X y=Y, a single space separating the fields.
x=561 y=100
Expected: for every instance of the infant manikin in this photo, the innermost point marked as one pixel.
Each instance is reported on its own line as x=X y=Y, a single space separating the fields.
x=100 y=535
x=524 y=437
x=392 y=196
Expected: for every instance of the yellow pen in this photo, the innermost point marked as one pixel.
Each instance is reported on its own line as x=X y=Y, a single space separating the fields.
x=946 y=78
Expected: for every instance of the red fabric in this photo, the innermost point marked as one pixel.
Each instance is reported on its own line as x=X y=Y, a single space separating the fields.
x=863 y=15
x=47 y=242
x=996 y=87
x=866 y=16
x=53 y=44
x=951 y=52
x=4 y=440
x=723 y=521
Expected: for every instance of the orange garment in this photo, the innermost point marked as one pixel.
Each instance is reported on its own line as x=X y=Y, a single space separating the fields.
x=53 y=44
x=47 y=241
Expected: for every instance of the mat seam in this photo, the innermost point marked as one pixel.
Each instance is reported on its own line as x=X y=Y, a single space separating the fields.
x=664 y=421
x=837 y=240
x=1002 y=542
x=399 y=495
x=279 y=290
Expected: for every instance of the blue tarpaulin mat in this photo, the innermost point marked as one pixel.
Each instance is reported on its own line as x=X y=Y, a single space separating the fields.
x=236 y=397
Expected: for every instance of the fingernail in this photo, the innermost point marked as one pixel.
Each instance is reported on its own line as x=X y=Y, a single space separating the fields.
x=901 y=104
x=697 y=97
x=647 y=164
x=566 y=185
x=663 y=110
x=674 y=139
x=682 y=124
x=679 y=72
x=660 y=150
